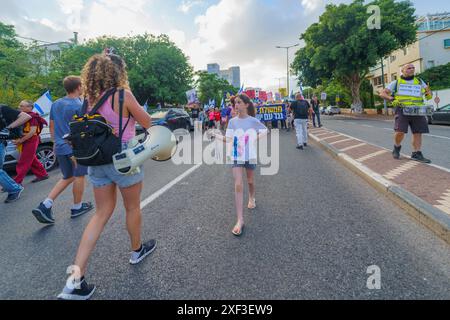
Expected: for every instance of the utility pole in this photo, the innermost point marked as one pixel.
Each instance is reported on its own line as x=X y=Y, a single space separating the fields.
x=279 y=83
x=384 y=85
x=287 y=54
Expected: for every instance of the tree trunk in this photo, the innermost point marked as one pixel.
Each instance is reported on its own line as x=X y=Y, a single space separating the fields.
x=354 y=82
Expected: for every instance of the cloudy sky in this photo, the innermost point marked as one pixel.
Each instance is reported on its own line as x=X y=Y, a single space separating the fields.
x=229 y=32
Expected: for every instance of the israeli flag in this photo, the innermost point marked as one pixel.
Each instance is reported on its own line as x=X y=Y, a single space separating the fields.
x=241 y=90
x=146 y=106
x=44 y=104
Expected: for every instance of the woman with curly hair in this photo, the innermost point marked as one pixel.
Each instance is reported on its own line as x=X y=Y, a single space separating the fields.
x=102 y=73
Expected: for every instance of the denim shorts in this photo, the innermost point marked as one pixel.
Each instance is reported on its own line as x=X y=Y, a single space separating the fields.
x=106 y=175
x=68 y=170
x=102 y=176
x=247 y=165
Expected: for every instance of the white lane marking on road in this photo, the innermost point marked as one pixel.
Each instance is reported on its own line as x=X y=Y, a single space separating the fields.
x=371 y=156
x=169 y=186
x=400 y=170
x=439 y=167
x=434 y=136
x=427 y=135
x=367 y=126
x=353 y=147
x=340 y=141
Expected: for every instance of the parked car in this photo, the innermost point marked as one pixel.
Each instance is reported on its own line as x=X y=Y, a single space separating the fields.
x=45 y=152
x=440 y=116
x=332 y=110
x=322 y=110
x=173 y=119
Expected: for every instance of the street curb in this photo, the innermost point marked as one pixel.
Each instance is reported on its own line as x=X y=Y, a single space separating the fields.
x=429 y=216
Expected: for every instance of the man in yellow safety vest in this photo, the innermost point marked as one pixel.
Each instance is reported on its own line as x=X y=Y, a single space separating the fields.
x=407 y=91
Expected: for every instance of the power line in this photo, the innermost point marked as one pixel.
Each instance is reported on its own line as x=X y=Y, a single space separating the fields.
x=32 y=39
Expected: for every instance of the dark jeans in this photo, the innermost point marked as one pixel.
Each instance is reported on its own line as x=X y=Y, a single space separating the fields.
x=317 y=114
x=274 y=124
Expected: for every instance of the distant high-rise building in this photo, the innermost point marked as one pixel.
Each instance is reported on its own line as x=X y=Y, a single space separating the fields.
x=235 y=76
x=232 y=75
x=214 y=68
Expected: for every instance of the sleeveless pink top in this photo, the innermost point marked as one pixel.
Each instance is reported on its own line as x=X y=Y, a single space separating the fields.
x=112 y=117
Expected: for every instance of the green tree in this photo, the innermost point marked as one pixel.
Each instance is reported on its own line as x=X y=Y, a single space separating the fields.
x=306 y=73
x=158 y=70
x=210 y=86
x=437 y=77
x=14 y=64
x=341 y=46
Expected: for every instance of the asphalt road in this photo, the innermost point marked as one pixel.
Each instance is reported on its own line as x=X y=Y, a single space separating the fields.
x=317 y=229
x=436 y=145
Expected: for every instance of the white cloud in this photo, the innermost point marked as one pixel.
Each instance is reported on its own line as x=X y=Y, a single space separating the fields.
x=48 y=23
x=245 y=33
x=229 y=32
x=312 y=5
x=187 y=5
x=178 y=37
x=70 y=6
x=117 y=18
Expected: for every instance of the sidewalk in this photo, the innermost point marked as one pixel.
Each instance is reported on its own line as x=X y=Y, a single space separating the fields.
x=367 y=116
x=423 y=190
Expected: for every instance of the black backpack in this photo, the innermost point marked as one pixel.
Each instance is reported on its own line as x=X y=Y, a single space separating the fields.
x=15 y=133
x=93 y=140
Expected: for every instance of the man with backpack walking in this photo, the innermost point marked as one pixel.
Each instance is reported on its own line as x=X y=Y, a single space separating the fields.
x=28 y=144
x=62 y=112
x=301 y=110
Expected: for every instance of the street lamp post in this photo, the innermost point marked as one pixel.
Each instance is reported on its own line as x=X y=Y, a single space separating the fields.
x=279 y=83
x=287 y=54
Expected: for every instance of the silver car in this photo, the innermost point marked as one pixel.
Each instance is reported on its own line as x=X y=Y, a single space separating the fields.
x=331 y=110
x=45 y=152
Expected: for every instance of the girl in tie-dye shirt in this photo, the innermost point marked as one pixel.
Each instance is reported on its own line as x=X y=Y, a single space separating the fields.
x=242 y=135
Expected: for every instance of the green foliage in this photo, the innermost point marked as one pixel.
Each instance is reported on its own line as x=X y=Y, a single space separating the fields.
x=340 y=46
x=14 y=65
x=158 y=70
x=306 y=73
x=333 y=90
x=437 y=77
x=210 y=86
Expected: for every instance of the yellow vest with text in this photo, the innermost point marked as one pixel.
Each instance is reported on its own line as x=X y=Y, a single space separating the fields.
x=407 y=101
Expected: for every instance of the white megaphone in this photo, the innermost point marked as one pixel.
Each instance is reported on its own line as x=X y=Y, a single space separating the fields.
x=159 y=144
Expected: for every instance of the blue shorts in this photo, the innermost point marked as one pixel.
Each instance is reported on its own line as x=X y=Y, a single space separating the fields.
x=247 y=165
x=68 y=170
x=106 y=175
